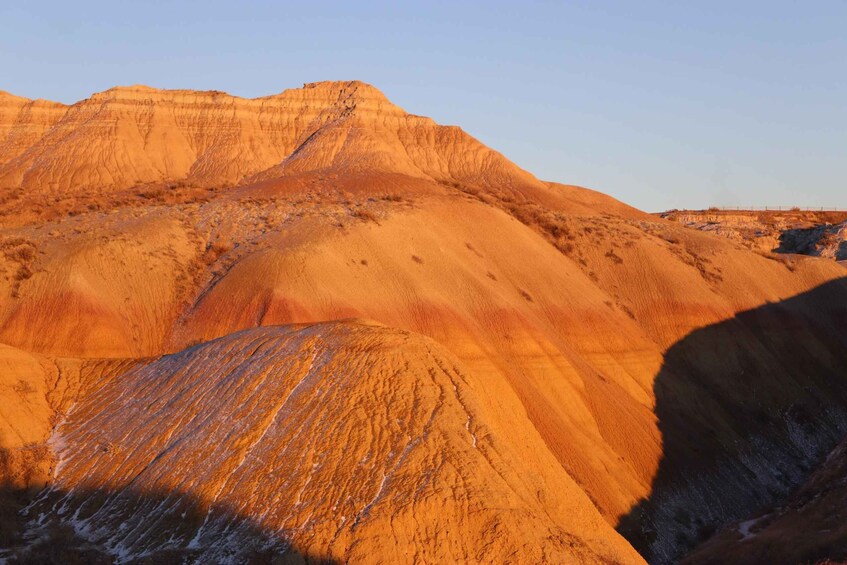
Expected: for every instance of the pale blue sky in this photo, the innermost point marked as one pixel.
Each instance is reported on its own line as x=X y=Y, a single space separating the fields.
x=661 y=104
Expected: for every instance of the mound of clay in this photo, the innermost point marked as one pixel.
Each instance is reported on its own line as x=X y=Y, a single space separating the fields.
x=348 y=441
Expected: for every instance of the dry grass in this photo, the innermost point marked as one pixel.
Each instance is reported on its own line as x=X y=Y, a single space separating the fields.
x=365 y=215
x=23 y=273
x=616 y=259
x=23 y=387
x=22 y=253
x=214 y=251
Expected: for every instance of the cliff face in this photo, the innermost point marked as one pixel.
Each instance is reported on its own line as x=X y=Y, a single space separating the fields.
x=130 y=136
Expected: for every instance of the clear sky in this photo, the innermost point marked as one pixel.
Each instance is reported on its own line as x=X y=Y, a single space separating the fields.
x=661 y=104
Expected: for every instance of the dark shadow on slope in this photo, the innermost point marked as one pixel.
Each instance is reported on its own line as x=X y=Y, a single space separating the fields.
x=801 y=240
x=746 y=407
x=810 y=528
x=65 y=528
x=810 y=241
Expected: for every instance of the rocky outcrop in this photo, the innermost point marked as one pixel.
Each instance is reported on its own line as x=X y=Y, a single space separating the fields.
x=818 y=234
x=822 y=240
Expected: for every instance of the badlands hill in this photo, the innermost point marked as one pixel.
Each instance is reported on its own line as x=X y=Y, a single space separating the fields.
x=547 y=373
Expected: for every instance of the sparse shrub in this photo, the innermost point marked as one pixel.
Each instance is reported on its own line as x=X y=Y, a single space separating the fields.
x=23 y=387
x=525 y=295
x=23 y=254
x=24 y=273
x=214 y=251
x=566 y=247
x=789 y=262
x=616 y=259
x=626 y=310
x=13 y=242
x=152 y=194
x=417 y=259
x=365 y=215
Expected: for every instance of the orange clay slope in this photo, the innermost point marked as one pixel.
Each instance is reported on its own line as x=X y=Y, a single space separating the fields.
x=575 y=318
x=344 y=441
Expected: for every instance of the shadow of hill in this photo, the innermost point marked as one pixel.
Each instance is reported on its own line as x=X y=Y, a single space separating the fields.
x=54 y=527
x=746 y=407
